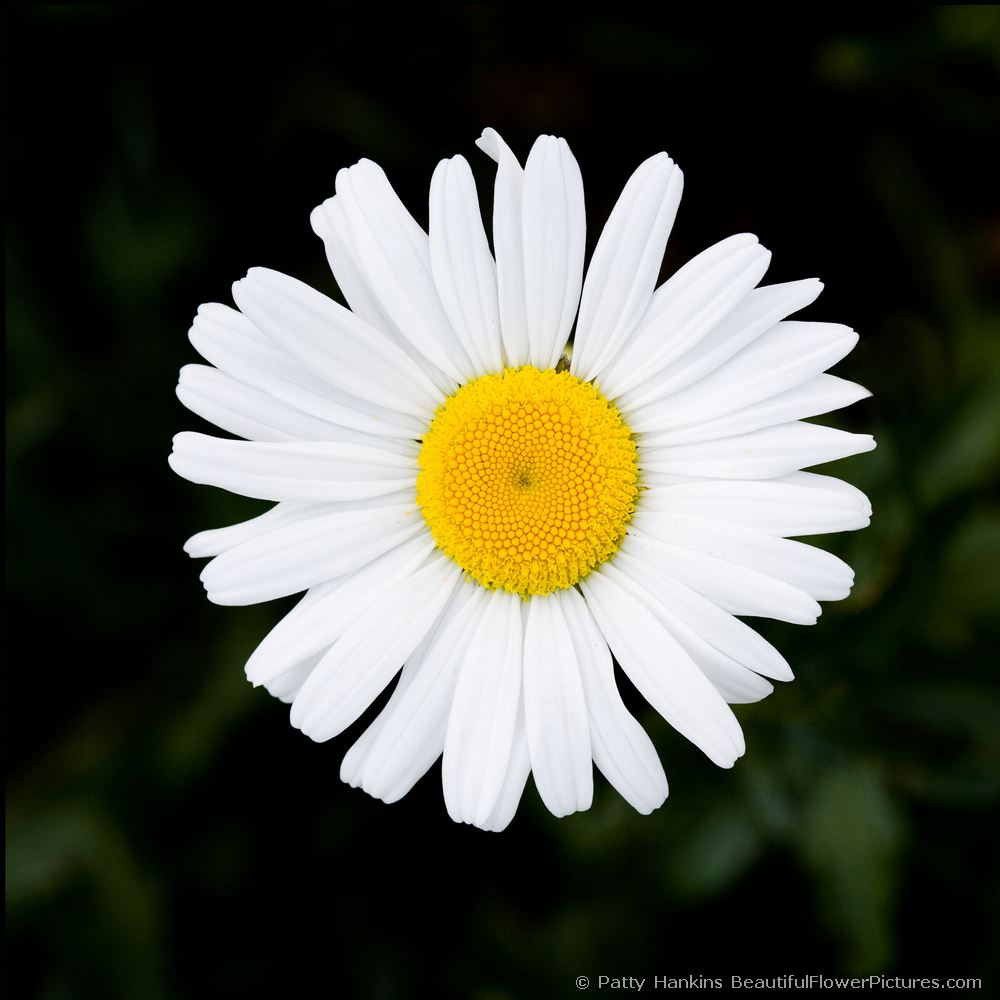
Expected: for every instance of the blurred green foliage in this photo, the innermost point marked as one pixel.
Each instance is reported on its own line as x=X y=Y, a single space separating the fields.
x=168 y=834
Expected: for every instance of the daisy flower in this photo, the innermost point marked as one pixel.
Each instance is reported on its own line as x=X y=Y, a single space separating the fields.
x=468 y=502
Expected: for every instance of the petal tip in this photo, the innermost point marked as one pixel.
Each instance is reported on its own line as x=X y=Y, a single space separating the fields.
x=319 y=220
x=489 y=142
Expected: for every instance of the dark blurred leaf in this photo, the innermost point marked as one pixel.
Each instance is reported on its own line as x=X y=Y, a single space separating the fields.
x=968 y=592
x=965 y=450
x=959 y=720
x=75 y=857
x=850 y=839
x=717 y=852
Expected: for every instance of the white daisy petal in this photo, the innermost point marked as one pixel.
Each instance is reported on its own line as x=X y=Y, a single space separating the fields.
x=298 y=471
x=763 y=454
x=787 y=355
x=727 y=634
x=236 y=347
x=332 y=342
x=760 y=310
x=820 y=574
x=481 y=723
x=734 y=681
x=660 y=669
x=625 y=264
x=555 y=712
x=286 y=686
x=248 y=413
x=684 y=309
x=464 y=272
x=622 y=751
x=828 y=484
x=393 y=255
x=801 y=503
x=508 y=244
x=354 y=760
x=216 y=540
x=553 y=225
x=819 y=395
x=372 y=650
x=327 y=610
x=518 y=769
x=736 y=589
x=329 y=223
x=295 y=557
x=412 y=726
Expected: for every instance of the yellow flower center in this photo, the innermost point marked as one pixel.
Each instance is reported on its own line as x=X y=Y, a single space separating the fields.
x=527 y=479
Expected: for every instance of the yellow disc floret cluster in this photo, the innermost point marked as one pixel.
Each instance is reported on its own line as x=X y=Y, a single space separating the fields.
x=527 y=479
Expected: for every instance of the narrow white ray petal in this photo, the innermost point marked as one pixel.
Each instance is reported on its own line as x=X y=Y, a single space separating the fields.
x=354 y=760
x=820 y=574
x=817 y=481
x=518 y=769
x=787 y=355
x=735 y=682
x=329 y=223
x=248 y=413
x=553 y=225
x=372 y=650
x=622 y=751
x=327 y=610
x=413 y=724
x=298 y=556
x=298 y=471
x=728 y=634
x=760 y=310
x=763 y=454
x=217 y=540
x=819 y=395
x=483 y=712
x=736 y=589
x=393 y=255
x=464 y=272
x=508 y=245
x=660 y=669
x=376 y=658
x=626 y=262
x=332 y=342
x=235 y=346
x=286 y=686
x=801 y=503
x=685 y=308
x=555 y=712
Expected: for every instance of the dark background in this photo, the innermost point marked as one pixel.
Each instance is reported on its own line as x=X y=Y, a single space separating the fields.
x=169 y=834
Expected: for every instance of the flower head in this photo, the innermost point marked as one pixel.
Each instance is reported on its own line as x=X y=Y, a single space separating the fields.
x=471 y=506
